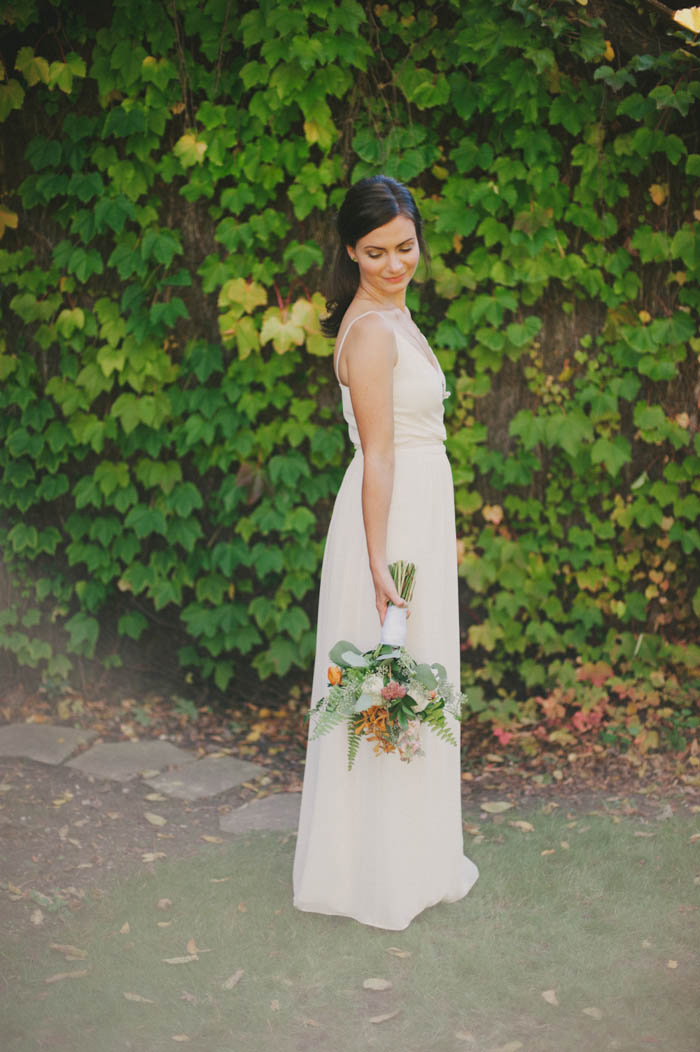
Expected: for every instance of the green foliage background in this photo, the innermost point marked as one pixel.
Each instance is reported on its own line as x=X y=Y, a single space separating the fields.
x=171 y=434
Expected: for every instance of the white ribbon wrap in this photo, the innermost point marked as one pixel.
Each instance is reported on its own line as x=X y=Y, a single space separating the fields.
x=394 y=627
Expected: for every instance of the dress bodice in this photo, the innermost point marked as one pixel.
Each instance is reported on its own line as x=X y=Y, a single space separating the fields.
x=419 y=391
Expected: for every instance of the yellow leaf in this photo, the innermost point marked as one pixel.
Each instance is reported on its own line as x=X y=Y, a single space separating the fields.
x=219 y=880
x=550 y=996
x=564 y=844
x=524 y=827
x=396 y=952
x=493 y=757
x=212 y=839
x=180 y=960
x=233 y=980
x=593 y=1012
x=496 y=807
x=180 y=1037
x=671 y=964
x=689 y=18
x=71 y=952
x=164 y=904
x=66 y=975
x=138 y=997
x=377 y=984
x=658 y=192
x=125 y=929
x=609 y=53
x=193 y=948
x=190 y=150
x=7 y=219
x=383 y=1018
x=155 y=796
x=548 y=851
x=154 y=819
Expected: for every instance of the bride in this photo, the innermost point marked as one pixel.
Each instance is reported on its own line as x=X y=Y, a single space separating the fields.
x=382 y=842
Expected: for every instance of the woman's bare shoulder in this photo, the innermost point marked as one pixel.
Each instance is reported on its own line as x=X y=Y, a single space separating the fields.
x=360 y=323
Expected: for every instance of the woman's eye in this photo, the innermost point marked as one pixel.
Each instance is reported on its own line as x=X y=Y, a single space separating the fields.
x=409 y=249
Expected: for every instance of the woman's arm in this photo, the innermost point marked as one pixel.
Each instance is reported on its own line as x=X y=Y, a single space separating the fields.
x=370 y=356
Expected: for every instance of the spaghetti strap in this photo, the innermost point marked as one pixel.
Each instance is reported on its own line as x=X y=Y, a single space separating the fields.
x=342 y=342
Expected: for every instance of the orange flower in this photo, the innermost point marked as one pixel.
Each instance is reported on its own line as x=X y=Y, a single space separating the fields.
x=335 y=675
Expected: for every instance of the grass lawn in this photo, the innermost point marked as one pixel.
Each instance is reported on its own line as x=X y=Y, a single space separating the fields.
x=600 y=916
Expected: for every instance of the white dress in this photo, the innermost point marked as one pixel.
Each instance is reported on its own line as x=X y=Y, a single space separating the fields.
x=382 y=842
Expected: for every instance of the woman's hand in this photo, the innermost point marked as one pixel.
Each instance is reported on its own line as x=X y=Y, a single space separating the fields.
x=385 y=591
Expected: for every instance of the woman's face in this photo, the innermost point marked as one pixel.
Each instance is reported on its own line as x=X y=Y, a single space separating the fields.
x=387 y=257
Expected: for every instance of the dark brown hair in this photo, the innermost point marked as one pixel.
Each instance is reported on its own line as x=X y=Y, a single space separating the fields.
x=370 y=203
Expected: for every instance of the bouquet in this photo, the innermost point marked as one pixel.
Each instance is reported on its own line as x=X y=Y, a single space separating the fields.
x=384 y=694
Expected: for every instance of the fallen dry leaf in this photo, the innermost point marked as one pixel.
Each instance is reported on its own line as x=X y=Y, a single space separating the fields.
x=242 y=908
x=212 y=839
x=383 y=1018
x=550 y=996
x=524 y=827
x=233 y=980
x=310 y=1022
x=464 y=1035
x=564 y=844
x=512 y=1046
x=180 y=1037
x=495 y=807
x=638 y=832
x=471 y=829
x=274 y=1005
x=164 y=904
x=549 y=851
x=66 y=975
x=152 y=856
x=125 y=929
x=219 y=880
x=72 y=953
x=377 y=984
x=138 y=997
x=193 y=948
x=593 y=1012
x=154 y=819
x=36 y=916
x=671 y=964
x=155 y=796
x=395 y=951
x=180 y=960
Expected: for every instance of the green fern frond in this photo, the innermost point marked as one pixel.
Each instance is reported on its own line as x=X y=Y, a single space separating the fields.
x=328 y=720
x=437 y=723
x=353 y=743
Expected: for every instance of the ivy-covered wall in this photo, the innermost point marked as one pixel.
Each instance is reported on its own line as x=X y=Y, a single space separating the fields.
x=171 y=434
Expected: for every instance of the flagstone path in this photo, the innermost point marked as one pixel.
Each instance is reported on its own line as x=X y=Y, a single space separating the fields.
x=176 y=773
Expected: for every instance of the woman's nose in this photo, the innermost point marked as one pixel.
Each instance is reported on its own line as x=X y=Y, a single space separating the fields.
x=394 y=264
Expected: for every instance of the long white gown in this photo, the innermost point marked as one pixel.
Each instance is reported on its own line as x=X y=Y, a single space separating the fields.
x=384 y=841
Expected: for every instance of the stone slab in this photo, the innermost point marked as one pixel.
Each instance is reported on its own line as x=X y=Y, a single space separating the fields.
x=122 y=761
x=280 y=811
x=44 y=742
x=206 y=777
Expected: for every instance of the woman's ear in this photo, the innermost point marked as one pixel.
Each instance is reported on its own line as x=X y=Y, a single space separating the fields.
x=351 y=252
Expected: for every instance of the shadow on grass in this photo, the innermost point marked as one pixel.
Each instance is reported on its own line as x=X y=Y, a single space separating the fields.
x=608 y=923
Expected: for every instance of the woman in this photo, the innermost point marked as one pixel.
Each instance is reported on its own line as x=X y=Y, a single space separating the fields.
x=382 y=842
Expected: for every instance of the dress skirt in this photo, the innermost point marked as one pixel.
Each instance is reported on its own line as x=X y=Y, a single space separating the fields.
x=384 y=841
